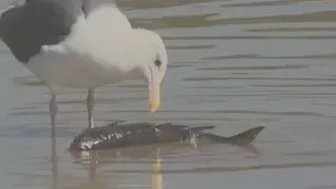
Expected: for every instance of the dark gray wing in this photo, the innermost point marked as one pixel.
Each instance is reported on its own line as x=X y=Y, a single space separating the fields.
x=24 y=29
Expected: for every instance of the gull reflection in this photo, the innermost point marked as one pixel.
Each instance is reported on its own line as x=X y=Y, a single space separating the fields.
x=97 y=159
x=92 y=160
x=54 y=160
x=157 y=172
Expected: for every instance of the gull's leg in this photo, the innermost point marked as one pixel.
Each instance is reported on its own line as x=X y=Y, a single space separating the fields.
x=53 y=111
x=89 y=106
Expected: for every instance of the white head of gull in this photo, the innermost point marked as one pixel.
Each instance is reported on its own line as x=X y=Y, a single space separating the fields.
x=83 y=44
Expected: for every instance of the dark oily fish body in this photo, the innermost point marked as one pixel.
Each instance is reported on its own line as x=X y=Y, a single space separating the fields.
x=119 y=134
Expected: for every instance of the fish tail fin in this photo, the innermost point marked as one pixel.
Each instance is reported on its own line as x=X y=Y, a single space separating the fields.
x=245 y=137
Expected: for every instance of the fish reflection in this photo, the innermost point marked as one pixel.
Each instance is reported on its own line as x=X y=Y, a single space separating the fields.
x=145 y=144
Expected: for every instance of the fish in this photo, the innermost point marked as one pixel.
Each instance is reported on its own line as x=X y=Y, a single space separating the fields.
x=119 y=134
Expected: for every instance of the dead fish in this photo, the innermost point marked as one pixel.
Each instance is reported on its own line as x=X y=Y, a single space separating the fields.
x=118 y=134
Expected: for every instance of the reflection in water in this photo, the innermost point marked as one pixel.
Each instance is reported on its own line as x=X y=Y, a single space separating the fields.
x=157 y=172
x=140 y=155
x=54 y=161
x=93 y=160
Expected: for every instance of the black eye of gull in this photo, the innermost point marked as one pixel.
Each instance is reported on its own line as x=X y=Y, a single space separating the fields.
x=158 y=63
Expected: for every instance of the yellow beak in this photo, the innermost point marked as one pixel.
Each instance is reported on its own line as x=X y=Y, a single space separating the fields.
x=154 y=96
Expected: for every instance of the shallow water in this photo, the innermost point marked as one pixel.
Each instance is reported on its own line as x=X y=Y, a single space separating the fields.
x=235 y=64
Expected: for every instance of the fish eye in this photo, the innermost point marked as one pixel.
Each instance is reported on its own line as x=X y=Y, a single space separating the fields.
x=158 y=63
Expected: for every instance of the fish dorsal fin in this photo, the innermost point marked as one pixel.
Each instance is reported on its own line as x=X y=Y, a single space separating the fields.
x=202 y=128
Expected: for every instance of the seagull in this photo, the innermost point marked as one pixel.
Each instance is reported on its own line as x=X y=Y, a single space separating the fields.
x=83 y=44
